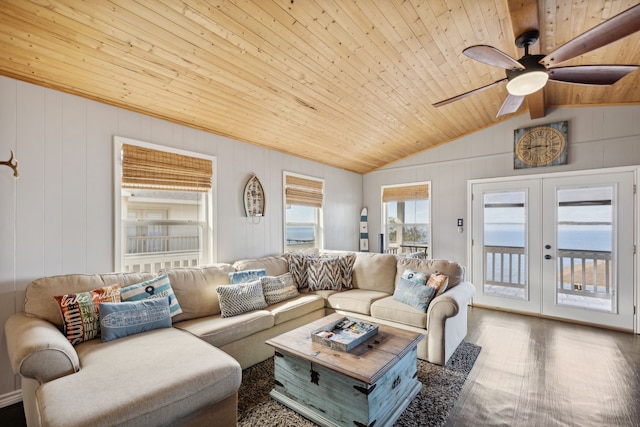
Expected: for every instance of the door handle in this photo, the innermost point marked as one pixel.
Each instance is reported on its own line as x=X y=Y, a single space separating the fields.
x=547 y=257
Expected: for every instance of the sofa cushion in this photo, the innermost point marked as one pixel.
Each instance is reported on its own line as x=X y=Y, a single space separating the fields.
x=195 y=288
x=158 y=287
x=355 y=300
x=396 y=311
x=219 y=331
x=295 y=307
x=324 y=294
x=199 y=375
x=80 y=312
x=416 y=295
x=245 y=276
x=240 y=298
x=274 y=265
x=121 y=319
x=455 y=271
x=376 y=272
x=279 y=288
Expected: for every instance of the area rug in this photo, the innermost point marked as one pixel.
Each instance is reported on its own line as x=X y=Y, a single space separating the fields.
x=441 y=387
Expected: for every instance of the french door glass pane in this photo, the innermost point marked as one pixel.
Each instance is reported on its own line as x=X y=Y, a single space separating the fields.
x=504 y=237
x=584 y=240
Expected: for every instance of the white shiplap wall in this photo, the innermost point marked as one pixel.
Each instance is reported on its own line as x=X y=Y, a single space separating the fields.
x=598 y=138
x=57 y=218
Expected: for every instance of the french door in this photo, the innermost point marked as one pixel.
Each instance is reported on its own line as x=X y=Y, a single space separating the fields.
x=558 y=245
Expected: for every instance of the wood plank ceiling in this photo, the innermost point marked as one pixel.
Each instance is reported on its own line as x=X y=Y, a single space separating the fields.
x=347 y=83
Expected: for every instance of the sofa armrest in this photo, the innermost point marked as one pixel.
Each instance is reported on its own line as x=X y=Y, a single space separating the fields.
x=37 y=349
x=448 y=304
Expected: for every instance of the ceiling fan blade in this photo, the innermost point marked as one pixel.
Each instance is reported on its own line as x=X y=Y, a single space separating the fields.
x=471 y=92
x=591 y=74
x=510 y=105
x=609 y=31
x=492 y=56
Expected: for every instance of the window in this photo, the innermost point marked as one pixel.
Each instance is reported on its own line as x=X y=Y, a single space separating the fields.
x=164 y=202
x=407 y=218
x=303 y=198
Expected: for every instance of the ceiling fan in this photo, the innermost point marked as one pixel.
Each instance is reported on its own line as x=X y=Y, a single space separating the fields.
x=531 y=72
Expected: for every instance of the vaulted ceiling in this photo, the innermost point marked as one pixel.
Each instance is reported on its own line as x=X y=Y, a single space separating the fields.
x=349 y=83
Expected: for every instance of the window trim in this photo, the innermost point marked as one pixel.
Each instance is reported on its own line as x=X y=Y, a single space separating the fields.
x=319 y=210
x=211 y=249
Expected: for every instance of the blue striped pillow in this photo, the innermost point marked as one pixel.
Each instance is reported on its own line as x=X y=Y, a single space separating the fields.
x=158 y=287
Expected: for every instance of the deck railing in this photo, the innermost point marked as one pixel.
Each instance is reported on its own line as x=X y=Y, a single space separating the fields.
x=155 y=262
x=584 y=273
x=154 y=244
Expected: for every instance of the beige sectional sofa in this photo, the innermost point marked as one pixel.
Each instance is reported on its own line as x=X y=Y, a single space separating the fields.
x=189 y=374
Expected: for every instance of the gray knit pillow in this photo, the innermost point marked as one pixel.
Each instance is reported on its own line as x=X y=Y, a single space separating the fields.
x=241 y=298
x=279 y=288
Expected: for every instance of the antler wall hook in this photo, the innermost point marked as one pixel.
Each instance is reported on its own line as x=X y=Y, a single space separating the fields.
x=12 y=163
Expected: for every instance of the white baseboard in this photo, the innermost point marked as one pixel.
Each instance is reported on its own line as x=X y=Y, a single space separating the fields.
x=9 y=399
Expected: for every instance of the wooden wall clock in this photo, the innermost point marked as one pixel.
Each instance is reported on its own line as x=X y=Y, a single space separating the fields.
x=254 y=198
x=544 y=145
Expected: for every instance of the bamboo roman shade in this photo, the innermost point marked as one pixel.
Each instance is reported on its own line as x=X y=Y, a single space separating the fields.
x=160 y=170
x=405 y=193
x=303 y=191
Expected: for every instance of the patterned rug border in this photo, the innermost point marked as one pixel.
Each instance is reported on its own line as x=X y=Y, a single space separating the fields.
x=441 y=388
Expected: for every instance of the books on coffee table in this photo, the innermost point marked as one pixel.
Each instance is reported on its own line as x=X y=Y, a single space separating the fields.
x=344 y=334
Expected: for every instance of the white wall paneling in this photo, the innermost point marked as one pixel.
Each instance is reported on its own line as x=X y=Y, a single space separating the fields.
x=57 y=218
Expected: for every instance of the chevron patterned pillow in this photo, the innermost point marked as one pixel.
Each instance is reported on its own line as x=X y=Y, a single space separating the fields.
x=240 y=298
x=324 y=274
x=298 y=267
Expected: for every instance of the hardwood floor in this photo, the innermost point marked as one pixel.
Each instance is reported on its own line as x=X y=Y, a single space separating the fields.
x=541 y=372
x=535 y=372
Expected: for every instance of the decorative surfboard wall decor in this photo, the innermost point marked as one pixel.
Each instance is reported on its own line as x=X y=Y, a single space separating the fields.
x=254 y=198
x=364 y=231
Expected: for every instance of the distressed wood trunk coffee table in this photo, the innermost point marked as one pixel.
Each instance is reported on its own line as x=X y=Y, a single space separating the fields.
x=370 y=385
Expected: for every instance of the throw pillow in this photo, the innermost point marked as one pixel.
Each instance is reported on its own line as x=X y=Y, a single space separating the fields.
x=118 y=320
x=81 y=312
x=346 y=263
x=438 y=281
x=241 y=298
x=277 y=289
x=415 y=276
x=324 y=274
x=244 y=276
x=158 y=287
x=412 y=293
x=298 y=267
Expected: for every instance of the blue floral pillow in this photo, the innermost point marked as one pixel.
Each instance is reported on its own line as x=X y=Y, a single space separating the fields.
x=245 y=276
x=416 y=295
x=415 y=276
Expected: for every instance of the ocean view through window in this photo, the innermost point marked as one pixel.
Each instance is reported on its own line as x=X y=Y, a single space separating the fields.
x=303 y=198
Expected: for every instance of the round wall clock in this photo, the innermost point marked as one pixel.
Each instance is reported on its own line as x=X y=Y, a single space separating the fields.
x=540 y=146
x=254 y=199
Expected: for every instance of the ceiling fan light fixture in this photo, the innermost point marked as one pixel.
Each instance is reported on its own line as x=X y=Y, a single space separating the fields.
x=527 y=83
